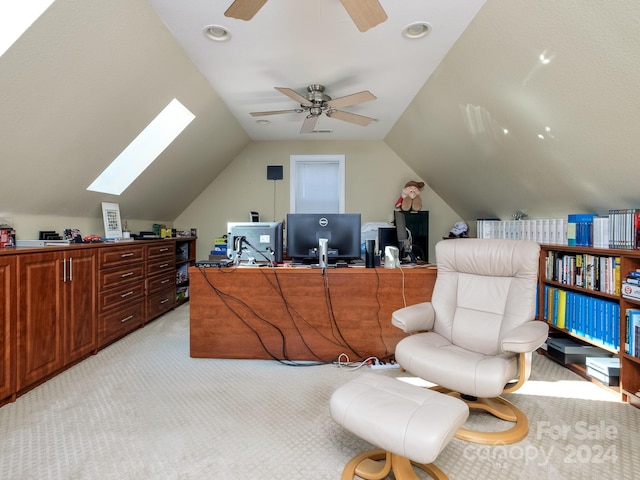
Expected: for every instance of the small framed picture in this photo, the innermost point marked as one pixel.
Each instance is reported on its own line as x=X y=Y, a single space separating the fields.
x=112 y=222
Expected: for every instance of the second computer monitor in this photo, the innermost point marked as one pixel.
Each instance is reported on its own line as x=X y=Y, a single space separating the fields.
x=342 y=230
x=260 y=241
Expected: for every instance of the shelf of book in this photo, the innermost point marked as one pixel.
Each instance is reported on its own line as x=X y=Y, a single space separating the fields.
x=581 y=369
x=582 y=296
x=564 y=332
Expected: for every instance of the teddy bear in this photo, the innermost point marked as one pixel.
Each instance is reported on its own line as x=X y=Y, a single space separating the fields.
x=410 y=199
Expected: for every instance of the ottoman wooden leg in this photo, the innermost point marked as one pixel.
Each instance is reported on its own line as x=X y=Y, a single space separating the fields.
x=368 y=465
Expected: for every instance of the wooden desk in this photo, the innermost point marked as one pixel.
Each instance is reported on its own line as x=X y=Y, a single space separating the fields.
x=300 y=314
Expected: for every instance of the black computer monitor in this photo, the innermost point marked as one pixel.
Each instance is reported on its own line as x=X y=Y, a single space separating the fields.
x=387 y=237
x=255 y=241
x=342 y=230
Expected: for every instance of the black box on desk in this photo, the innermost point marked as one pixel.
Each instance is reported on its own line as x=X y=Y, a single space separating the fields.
x=566 y=351
x=605 y=370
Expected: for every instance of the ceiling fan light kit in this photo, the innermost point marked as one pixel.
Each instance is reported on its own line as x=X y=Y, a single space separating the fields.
x=316 y=102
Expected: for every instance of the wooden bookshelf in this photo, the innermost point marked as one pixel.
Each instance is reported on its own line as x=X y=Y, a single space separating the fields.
x=629 y=261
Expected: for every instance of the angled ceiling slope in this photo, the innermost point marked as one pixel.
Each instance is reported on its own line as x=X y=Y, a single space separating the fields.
x=79 y=85
x=536 y=108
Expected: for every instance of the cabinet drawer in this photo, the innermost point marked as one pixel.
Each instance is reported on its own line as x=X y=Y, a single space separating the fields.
x=161 y=281
x=117 y=297
x=162 y=265
x=161 y=302
x=115 y=276
x=121 y=321
x=167 y=250
x=113 y=256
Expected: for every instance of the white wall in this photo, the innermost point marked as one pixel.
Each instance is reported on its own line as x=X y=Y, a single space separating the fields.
x=375 y=176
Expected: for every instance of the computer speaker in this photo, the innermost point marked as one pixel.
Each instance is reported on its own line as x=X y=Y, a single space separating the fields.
x=274 y=172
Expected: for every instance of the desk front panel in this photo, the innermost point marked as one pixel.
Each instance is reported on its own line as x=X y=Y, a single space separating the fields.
x=299 y=313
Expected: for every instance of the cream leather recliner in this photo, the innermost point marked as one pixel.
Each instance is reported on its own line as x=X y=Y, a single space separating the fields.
x=476 y=336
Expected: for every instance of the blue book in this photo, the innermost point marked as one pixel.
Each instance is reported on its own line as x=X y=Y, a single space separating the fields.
x=555 y=307
x=570 y=312
x=607 y=325
x=580 y=315
x=616 y=326
x=546 y=306
x=631 y=315
x=634 y=320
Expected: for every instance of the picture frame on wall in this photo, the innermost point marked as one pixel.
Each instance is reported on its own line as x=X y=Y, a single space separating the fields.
x=112 y=220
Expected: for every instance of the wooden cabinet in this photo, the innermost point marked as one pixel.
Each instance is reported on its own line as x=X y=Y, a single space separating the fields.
x=80 y=326
x=610 y=333
x=7 y=327
x=121 y=296
x=56 y=313
x=61 y=304
x=629 y=364
x=161 y=274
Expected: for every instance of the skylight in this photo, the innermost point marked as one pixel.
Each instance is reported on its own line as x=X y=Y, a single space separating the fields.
x=16 y=16
x=144 y=149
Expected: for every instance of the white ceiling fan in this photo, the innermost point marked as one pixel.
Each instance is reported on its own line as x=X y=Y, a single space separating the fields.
x=364 y=13
x=317 y=102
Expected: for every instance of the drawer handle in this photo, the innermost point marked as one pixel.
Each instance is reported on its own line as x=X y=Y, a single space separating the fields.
x=164 y=249
x=165 y=281
x=126 y=319
x=164 y=301
x=125 y=255
x=164 y=265
x=124 y=295
x=126 y=275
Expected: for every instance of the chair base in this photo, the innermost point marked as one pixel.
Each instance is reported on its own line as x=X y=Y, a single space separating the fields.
x=367 y=465
x=498 y=407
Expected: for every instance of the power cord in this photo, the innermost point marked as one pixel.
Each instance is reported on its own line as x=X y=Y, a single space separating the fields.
x=375 y=363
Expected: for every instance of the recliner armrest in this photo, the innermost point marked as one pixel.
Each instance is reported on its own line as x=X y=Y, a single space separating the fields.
x=414 y=318
x=526 y=338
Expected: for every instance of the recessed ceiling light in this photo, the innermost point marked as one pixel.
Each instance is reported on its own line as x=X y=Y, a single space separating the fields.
x=263 y=122
x=416 y=30
x=216 y=33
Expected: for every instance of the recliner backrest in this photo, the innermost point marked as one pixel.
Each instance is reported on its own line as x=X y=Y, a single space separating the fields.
x=484 y=288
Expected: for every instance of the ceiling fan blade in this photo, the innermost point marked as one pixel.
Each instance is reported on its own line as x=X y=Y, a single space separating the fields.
x=244 y=9
x=275 y=112
x=353 y=99
x=309 y=124
x=350 y=117
x=293 y=95
x=365 y=13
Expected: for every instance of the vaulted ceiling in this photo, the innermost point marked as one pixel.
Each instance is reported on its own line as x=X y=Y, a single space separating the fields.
x=530 y=105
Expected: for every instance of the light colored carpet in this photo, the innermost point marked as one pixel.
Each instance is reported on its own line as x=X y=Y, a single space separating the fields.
x=143 y=409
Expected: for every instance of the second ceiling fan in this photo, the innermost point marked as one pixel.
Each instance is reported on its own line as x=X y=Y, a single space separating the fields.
x=364 y=13
x=317 y=102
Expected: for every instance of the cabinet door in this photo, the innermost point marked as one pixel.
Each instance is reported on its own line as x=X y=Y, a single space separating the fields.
x=80 y=322
x=7 y=319
x=40 y=311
